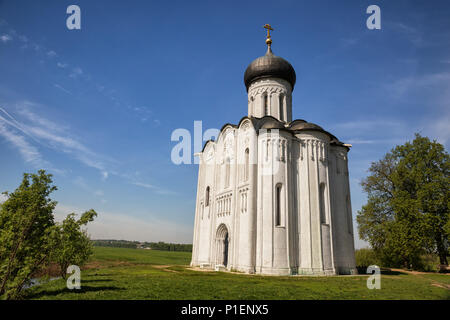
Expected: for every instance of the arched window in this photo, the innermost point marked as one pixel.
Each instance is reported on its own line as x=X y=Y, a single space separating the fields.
x=278 y=206
x=207 y=197
x=247 y=166
x=266 y=105
x=323 y=218
x=281 y=98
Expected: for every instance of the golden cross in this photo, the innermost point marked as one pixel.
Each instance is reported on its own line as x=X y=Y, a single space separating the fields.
x=269 y=28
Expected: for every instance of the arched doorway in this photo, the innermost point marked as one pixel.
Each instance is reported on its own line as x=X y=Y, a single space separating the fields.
x=225 y=250
x=222 y=243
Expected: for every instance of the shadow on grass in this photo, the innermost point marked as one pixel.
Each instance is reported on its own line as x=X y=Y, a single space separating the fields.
x=390 y=272
x=384 y=271
x=94 y=280
x=84 y=289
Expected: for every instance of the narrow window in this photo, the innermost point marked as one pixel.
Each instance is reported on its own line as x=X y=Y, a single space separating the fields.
x=266 y=105
x=207 y=197
x=278 y=206
x=281 y=107
x=323 y=218
x=247 y=167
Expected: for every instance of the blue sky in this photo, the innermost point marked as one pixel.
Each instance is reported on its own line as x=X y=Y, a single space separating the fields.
x=97 y=106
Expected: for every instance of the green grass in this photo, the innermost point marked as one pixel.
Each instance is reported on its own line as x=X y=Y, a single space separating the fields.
x=117 y=273
x=141 y=256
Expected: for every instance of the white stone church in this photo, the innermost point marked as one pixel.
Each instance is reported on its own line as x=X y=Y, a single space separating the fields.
x=273 y=194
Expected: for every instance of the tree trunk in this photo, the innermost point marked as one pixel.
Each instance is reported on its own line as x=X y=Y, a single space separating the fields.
x=443 y=258
x=442 y=252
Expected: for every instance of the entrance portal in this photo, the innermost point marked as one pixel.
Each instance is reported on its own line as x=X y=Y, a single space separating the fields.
x=222 y=241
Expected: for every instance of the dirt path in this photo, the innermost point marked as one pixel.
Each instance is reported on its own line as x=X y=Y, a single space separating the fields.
x=415 y=272
x=164 y=268
x=420 y=274
x=115 y=263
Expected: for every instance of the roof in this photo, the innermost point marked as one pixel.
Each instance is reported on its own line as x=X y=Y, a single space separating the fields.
x=293 y=127
x=269 y=66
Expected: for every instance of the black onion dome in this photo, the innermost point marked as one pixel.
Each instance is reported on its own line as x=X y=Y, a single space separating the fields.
x=269 y=66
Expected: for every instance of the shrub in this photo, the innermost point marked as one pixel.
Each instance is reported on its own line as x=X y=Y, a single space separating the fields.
x=366 y=257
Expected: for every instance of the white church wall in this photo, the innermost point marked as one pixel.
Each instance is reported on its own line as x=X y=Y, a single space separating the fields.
x=245 y=214
x=293 y=199
x=341 y=212
x=272 y=221
x=314 y=215
x=195 y=249
x=314 y=234
x=206 y=207
x=282 y=191
x=264 y=99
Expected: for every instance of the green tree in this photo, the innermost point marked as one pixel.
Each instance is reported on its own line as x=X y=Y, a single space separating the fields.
x=26 y=225
x=71 y=244
x=407 y=212
x=366 y=257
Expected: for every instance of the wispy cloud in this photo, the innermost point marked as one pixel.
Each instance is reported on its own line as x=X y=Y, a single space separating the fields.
x=157 y=189
x=440 y=129
x=76 y=72
x=361 y=141
x=144 y=185
x=368 y=124
x=23 y=109
x=81 y=183
x=404 y=85
x=28 y=152
x=348 y=42
x=434 y=89
x=375 y=132
x=61 y=88
x=388 y=141
x=49 y=134
x=51 y=54
x=33 y=132
x=5 y=38
x=412 y=34
x=34 y=129
x=45 y=53
x=36 y=47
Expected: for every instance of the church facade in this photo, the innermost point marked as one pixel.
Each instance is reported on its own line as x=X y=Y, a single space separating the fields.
x=273 y=193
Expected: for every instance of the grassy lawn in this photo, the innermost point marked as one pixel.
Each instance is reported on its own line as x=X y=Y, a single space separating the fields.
x=140 y=256
x=116 y=273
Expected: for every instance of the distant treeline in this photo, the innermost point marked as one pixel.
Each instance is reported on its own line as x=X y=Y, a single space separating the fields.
x=143 y=245
x=116 y=243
